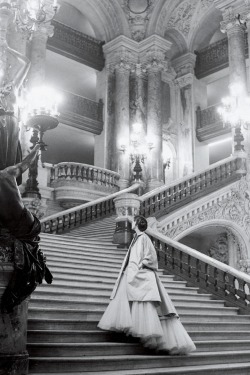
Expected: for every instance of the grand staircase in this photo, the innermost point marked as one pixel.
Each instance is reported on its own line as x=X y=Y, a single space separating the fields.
x=62 y=327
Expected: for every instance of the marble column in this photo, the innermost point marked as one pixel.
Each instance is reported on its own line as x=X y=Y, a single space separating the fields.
x=235 y=31
x=154 y=125
x=38 y=54
x=184 y=67
x=121 y=131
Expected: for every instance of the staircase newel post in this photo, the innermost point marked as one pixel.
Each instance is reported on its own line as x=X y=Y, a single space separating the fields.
x=14 y=359
x=126 y=205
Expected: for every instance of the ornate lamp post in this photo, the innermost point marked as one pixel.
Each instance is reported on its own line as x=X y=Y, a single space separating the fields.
x=235 y=112
x=40 y=113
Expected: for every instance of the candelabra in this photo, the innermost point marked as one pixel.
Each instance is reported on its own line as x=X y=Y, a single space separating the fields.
x=235 y=113
x=40 y=113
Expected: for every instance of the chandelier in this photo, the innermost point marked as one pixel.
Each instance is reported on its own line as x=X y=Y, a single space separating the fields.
x=235 y=109
x=29 y=15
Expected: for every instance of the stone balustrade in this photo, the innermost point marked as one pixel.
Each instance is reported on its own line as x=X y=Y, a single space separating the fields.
x=76 y=183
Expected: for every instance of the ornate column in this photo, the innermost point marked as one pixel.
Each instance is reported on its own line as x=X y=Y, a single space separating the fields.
x=121 y=55
x=38 y=54
x=235 y=28
x=154 y=55
x=121 y=131
x=184 y=66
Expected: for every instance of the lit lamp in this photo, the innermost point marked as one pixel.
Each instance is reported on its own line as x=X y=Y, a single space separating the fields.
x=138 y=150
x=30 y=14
x=40 y=113
x=235 y=113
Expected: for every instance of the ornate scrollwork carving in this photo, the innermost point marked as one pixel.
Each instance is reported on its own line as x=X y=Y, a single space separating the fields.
x=235 y=208
x=182 y=17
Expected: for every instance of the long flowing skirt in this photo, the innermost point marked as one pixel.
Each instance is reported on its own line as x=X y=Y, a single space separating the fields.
x=141 y=319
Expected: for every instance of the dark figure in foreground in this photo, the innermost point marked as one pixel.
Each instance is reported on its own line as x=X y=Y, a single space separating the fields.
x=19 y=232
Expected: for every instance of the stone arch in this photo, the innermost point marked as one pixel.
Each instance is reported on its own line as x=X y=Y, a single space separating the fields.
x=205 y=29
x=179 y=43
x=235 y=229
x=106 y=17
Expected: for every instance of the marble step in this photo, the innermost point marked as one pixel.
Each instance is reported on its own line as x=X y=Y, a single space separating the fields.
x=100 y=304
x=66 y=289
x=130 y=362
x=88 y=314
x=84 y=349
x=218 y=369
x=41 y=323
x=82 y=253
x=109 y=280
x=85 y=336
x=84 y=260
x=82 y=243
x=117 y=348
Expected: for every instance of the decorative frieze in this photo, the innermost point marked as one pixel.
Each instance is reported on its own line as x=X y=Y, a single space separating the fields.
x=233 y=206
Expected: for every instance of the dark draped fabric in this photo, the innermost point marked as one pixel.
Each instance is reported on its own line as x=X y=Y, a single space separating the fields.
x=29 y=264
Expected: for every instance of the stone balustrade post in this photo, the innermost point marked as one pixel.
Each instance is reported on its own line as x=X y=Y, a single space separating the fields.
x=126 y=205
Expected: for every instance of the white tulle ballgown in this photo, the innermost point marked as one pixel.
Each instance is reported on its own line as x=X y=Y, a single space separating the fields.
x=143 y=320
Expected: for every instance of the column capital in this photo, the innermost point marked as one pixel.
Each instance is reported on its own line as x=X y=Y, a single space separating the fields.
x=184 y=64
x=232 y=21
x=184 y=80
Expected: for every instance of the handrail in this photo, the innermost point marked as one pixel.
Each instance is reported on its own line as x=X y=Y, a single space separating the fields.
x=73 y=217
x=205 y=272
x=167 y=198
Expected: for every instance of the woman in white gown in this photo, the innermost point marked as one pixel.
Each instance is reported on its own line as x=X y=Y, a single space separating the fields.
x=140 y=305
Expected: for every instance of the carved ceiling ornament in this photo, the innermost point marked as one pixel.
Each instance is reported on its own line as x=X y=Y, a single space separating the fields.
x=181 y=18
x=235 y=209
x=138 y=13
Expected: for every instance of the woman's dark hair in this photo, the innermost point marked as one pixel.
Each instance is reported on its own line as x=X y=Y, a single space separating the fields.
x=141 y=222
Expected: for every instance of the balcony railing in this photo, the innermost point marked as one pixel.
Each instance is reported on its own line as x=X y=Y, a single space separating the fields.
x=213 y=58
x=209 y=124
x=167 y=199
x=77 y=46
x=76 y=182
x=64 y=221
x=82 y=113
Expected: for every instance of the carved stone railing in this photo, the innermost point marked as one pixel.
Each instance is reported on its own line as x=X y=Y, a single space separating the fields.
x=209 y=123
x=77 y=46
x=75 y=183
x=82 y=113
x=203 y=271
x=213 y=58
x=85 y=213
x=166 y=199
